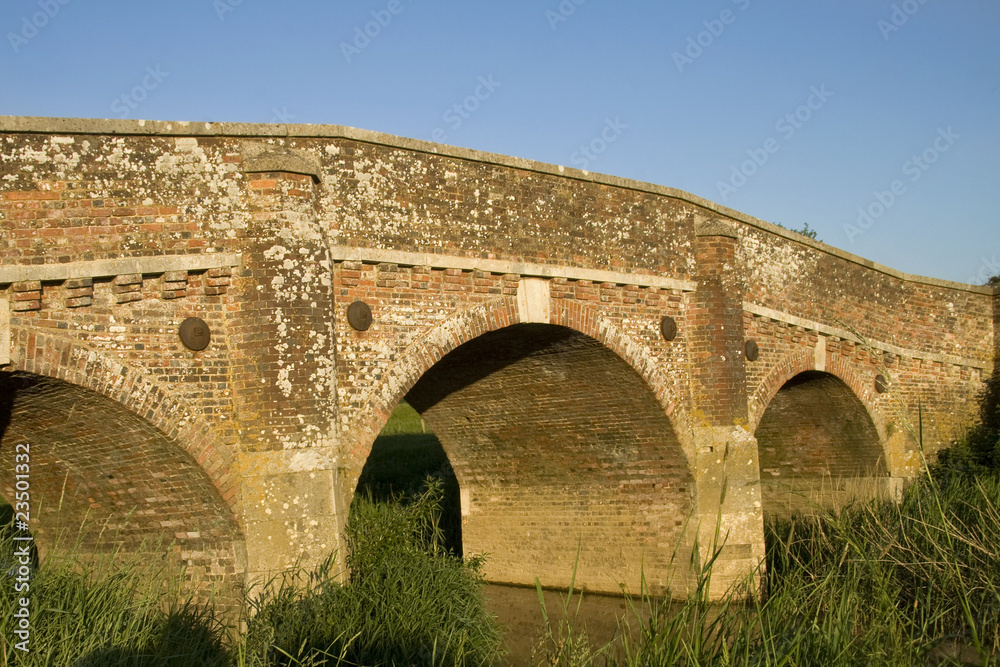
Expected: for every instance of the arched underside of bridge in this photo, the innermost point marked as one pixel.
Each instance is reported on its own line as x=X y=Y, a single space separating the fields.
x=101 y=477
x=559 y=446
x=818 y=447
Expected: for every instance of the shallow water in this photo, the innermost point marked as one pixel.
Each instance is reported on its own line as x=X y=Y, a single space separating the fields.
x=519 y=611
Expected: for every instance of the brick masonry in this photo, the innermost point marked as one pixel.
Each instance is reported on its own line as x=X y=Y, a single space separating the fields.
x=517 y=305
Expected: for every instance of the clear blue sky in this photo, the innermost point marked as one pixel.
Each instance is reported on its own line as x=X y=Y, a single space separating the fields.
x=834 y=99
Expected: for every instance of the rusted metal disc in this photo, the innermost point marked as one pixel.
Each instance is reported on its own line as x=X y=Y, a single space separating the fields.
x=195 y=333
x=668 y=327
x=359 y=315
x=751 y=349
x=881 y=384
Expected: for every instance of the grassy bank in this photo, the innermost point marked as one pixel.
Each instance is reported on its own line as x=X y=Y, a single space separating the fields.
x=914 y=582
x=880 y=583
x=408 y=601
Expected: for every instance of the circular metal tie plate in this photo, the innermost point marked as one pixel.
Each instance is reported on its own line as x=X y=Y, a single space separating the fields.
x=359 y=315
x=752 y=351
x=668 y=327
x=881 y=384
x=195 y=333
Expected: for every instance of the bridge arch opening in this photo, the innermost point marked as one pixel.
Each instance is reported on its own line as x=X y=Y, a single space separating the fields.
x=560 y=449
x=818 y=447
x=102 y=478
x=405 y=456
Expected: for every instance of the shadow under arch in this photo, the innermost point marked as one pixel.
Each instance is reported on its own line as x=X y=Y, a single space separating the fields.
x=431 y=346
x=818 y=447
x=403 y=459
x=39 y=353
x=560 y=448
x=103 y=478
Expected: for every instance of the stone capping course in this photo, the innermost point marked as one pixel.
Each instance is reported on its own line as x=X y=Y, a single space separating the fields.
x=499 y=266
x=845 y=334
x=145 y=265
x=66 y=126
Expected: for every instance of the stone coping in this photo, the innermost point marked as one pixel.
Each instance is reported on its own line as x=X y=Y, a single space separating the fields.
x=56 y=126
x=845 y=334
x=145 y=265
x=524 y=269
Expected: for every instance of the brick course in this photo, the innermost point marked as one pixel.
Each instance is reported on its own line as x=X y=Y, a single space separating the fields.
x=107 y=239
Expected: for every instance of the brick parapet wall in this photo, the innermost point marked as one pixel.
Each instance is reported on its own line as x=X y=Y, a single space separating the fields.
x=614 y=256
x=392 y=198
x=800 y=279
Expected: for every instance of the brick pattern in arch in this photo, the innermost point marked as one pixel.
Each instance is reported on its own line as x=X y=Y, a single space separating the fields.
x=425 y=351
x=799 y=361
x=102 y=478
x=559 y=446
x=429 y=348
x=817 y=445
x=588 y=320
x=64 y=359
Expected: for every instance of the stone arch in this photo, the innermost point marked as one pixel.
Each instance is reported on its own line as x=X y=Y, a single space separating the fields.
x=818 y=446
x=561 y=443
x=175 y=484
x=64 y=359
x=418 y=357
x=428 y=349
x=803 y=361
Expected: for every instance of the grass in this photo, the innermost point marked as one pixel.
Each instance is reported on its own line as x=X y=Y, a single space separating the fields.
x=876 y=583
x=409 y=601
x=879 y=582
x=113 y=610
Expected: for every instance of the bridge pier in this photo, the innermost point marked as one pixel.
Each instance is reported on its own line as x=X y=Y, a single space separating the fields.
x=730 y=528
x=115 y=232
x=284 y=380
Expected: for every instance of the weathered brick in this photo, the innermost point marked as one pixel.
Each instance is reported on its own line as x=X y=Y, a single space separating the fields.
x=284 y=371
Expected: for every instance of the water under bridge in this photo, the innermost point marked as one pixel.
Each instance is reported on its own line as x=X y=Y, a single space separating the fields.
x=204 y=327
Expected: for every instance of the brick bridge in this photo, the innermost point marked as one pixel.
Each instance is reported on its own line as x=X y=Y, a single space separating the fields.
x=608 y=364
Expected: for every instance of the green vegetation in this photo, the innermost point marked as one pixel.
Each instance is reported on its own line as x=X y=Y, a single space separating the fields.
x=880 y=583
x=408 y=600
x=403 y=458
x=911 y=582
x=805 y=231
x=116 y=610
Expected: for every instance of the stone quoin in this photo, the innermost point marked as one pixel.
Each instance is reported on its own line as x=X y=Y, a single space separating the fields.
x=578 y=342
